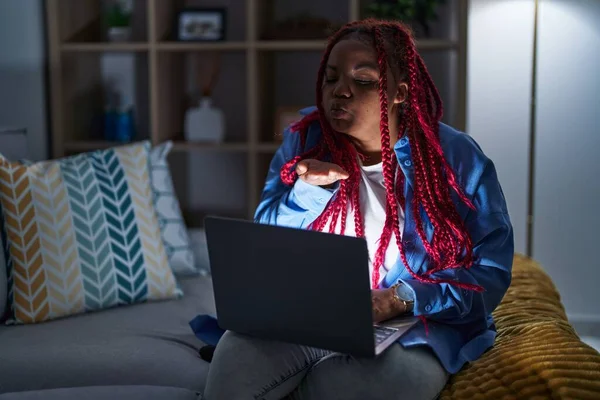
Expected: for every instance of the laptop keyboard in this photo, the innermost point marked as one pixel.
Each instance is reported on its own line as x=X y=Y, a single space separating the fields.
x=382 y=333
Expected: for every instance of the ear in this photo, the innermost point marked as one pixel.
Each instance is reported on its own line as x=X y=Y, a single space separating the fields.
x=401 y=93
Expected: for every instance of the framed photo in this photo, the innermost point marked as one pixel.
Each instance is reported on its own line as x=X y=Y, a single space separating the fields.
x=201 y=24
x=284 y=116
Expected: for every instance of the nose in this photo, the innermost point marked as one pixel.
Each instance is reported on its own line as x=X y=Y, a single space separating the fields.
x=342 y=89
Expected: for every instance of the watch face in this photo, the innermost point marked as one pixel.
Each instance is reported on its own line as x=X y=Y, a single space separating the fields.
x=405 y=293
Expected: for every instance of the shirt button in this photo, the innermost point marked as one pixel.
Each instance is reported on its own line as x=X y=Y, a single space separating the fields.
x=403 y=141
x=407 y=163
x=428 y=307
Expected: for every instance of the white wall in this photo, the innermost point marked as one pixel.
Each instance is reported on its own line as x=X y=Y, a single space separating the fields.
x=500 y=53
x=567 y=185
x=22 y=72
x=566 y=219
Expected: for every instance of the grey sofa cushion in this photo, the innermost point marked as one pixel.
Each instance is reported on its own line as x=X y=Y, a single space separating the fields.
x=143 y=344
x=106 y=393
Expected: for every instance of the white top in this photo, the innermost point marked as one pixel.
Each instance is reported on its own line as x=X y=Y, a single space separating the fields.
x=372 y=199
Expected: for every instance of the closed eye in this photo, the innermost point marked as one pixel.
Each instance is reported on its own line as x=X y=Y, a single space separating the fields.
x=364 y=82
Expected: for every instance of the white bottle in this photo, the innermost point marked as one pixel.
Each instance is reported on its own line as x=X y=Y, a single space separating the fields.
x=204 y=123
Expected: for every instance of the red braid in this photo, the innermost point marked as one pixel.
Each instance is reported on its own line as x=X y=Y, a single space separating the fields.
x=450 y=245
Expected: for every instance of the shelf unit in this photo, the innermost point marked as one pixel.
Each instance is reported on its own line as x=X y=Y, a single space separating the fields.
x=249 y=101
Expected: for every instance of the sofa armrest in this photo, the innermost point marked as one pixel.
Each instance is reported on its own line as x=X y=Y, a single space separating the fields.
x=537 y=353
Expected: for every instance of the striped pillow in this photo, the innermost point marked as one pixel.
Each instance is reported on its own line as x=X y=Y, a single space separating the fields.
x=82 y=234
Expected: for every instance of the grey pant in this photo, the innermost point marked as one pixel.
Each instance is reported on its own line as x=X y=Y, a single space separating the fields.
x=247 y=368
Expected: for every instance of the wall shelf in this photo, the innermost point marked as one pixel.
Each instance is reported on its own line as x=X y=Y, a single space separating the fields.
x=258 y=75
x=104 y=47
x=290 y=45
x=199 y=146
x=194 y=46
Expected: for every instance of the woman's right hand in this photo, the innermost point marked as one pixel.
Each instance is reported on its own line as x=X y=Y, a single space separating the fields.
x=320 y=173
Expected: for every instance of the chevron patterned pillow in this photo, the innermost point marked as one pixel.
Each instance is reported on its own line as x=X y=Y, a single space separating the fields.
x=82 y=234
x=173 y=228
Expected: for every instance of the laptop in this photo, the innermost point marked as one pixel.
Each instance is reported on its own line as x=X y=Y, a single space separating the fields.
x=296 y=286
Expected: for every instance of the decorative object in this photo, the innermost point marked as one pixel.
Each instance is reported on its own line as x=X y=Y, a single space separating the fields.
x=119 y=123
x=83 y=234
x=204 y=122
x=170 y=219
x=118 y=21
x=201 y=24
x=118 y=89
x=302 y=27
x=421 y=12
x=284 y=117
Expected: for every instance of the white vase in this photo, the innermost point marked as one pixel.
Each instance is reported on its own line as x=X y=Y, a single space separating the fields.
x=204 y=123
x=119 y=33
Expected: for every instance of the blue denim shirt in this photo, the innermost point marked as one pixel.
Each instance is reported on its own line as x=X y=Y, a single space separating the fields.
x=460 y=324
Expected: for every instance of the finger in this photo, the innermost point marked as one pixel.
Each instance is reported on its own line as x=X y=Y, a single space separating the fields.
x=315 y=174
x=302 y=167
x=340 y=173
x=323 y=175
x=334 y=176
x=320 y=173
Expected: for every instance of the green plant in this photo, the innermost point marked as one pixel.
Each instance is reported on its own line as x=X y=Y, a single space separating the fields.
x=118 y=16
x=419 y=11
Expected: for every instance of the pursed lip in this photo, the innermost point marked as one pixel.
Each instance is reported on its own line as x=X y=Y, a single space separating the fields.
x=338 y=111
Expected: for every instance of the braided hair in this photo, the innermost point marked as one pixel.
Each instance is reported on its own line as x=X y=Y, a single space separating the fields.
x=450 y=245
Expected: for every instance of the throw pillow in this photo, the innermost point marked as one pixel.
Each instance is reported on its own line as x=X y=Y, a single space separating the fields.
x=82 y=234
x=173 y=229
x=172 y=225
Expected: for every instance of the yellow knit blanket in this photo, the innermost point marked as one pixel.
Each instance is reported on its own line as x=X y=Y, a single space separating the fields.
x=537 y=354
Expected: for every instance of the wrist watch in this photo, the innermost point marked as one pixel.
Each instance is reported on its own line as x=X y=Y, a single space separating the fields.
x=404 y=296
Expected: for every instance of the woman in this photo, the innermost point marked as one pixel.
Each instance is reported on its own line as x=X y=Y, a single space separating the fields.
x=373 y=160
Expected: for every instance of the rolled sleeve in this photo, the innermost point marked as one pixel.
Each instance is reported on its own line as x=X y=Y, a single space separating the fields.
x=492 y=234
x=295 y=206
x=309 y=197
x=492 y=271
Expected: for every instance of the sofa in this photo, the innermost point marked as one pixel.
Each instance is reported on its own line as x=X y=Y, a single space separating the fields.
x=145 y=350
x=143 y=347
x=99 y=279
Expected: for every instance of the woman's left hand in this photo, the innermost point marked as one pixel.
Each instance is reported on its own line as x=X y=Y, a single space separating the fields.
x=385 y=305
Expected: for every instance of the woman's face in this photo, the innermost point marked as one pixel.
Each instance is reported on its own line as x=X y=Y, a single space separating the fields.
x=351 y=94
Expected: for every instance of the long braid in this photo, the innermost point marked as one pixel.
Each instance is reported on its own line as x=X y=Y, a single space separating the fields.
x=388 y=160
x=450 y=245
x=428 y=185
x=342 y=154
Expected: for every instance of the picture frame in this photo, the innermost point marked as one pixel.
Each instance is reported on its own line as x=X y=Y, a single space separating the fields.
x=284 y=116
x=201 y=24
